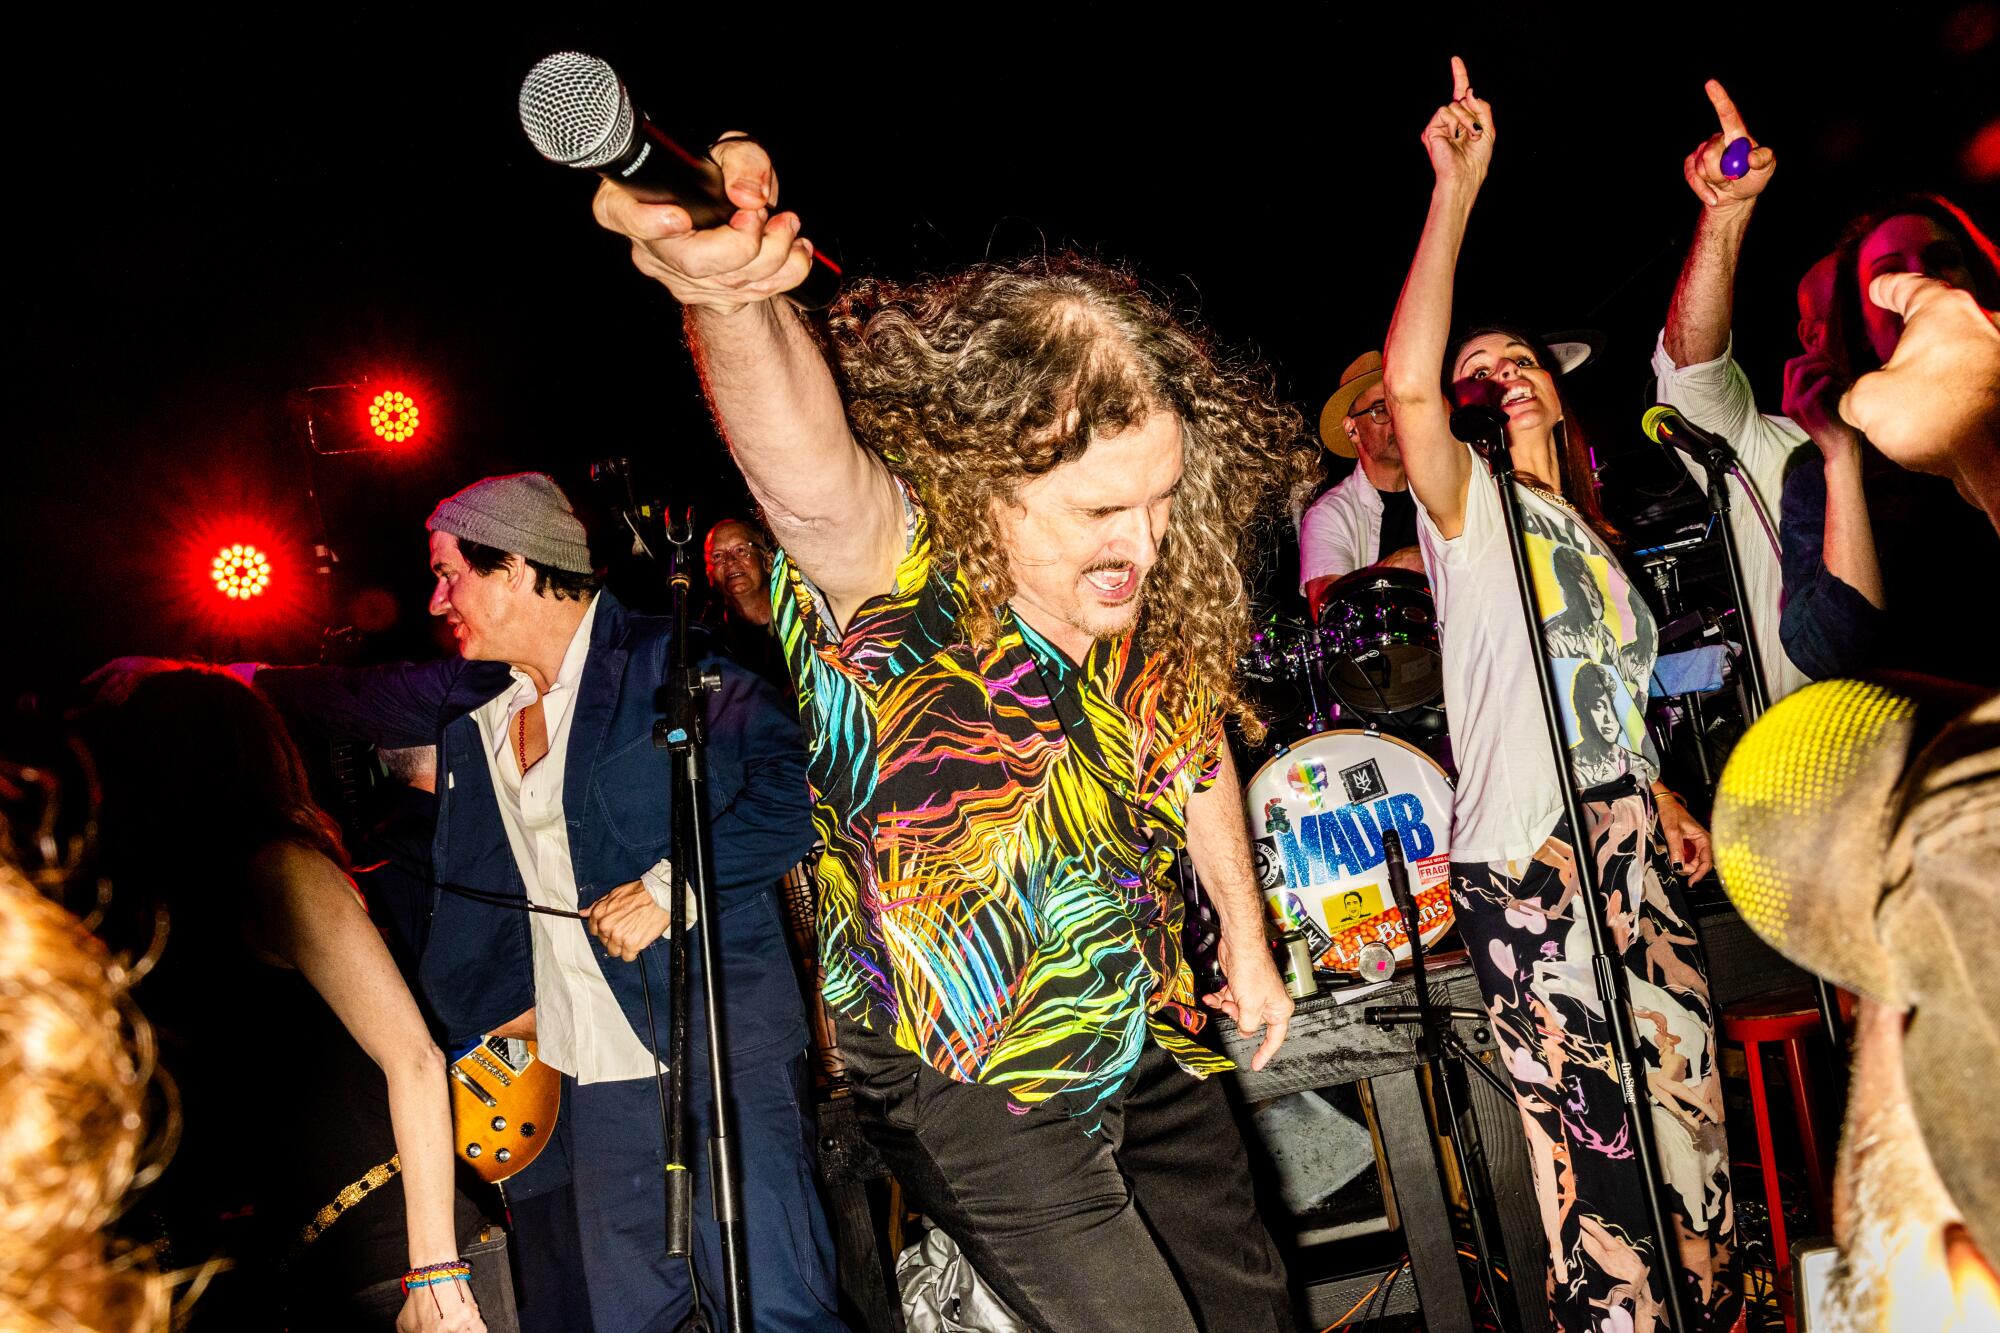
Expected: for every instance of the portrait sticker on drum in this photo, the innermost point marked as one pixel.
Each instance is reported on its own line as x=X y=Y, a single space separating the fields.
x=1318 y=815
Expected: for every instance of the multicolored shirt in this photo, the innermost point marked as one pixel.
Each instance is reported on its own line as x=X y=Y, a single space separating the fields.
x=1000 y=829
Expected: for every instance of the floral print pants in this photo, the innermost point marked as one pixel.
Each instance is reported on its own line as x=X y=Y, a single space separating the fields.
x=1531 y=951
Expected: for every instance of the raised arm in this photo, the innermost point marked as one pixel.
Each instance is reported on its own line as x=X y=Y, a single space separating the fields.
x=1698 y=321
x=1459 y=139
x=308 y=914
x=830 y=503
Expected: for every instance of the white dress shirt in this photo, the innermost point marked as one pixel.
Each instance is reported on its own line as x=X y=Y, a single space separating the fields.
x=1715 y=395
x=579 y=1026
x=1342 y=530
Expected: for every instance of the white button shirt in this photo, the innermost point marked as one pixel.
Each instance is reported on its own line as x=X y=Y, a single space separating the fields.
x=1716 y=396
x=1342 y=530
x=579 y=1026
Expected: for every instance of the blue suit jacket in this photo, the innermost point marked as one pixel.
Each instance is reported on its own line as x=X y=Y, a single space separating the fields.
x=476 y=969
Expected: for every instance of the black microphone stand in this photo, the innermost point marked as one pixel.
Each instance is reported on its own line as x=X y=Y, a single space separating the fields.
x=1485 y=428
x=1715 y=455
x=684 y=732
x=1435 y=1039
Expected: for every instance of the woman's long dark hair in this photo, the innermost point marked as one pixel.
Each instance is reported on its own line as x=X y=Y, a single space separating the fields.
x=1847 y=343
x=201 y=772
x=1578 y=481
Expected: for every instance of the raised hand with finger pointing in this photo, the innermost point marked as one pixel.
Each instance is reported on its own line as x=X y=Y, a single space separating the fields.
x=1459 y=136
x=1730 y=168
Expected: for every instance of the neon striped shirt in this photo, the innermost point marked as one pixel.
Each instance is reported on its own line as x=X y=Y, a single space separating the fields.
x=997 y=890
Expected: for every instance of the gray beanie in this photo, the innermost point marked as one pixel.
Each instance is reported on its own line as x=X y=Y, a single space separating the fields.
x=522 y=511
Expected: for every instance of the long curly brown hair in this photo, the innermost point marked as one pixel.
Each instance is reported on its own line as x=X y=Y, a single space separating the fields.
x=969 y=385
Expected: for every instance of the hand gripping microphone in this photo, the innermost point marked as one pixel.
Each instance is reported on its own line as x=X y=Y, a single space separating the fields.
x=577 y=113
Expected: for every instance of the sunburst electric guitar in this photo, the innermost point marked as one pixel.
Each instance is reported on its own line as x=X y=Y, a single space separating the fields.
x=503 y=1105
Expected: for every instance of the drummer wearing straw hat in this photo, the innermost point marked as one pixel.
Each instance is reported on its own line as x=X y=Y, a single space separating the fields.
x=1370 y=517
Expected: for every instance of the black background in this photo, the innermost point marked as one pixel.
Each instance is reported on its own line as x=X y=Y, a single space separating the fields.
x=209 y=218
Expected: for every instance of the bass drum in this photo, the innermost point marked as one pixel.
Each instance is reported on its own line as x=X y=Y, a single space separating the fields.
x=1317 y=812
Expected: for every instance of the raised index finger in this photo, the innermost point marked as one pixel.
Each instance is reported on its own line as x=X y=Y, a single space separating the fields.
x=1725 y=112
x=1461 y=82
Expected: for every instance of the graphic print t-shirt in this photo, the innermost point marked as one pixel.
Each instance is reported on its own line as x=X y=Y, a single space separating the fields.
x=1600 y=638
x=1000 y=828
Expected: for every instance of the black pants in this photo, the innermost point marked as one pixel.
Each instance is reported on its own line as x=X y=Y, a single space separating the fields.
x=1148 y=1224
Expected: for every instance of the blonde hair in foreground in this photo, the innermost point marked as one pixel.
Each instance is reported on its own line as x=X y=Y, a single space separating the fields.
x=970 y=384
x=75 y=1063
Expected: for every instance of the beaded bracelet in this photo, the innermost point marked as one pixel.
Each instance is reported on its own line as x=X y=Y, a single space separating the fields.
x=455 y=1270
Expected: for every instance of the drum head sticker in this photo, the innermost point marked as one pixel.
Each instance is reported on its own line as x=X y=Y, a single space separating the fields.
x=1363 y=782
x=1352 y=906
x=1308 y=779
x=1270 y=863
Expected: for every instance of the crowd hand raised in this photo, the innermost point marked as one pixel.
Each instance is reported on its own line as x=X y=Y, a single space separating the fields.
x=447 y=1307
x=1939 y=394
x=1812 y=401
x=1459 y=137
x=1703 y=167
x=1254 y=997
x=627 y=920
x=756 y=255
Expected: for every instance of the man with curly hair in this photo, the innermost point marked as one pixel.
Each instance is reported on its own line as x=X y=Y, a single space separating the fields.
x=1011 y=593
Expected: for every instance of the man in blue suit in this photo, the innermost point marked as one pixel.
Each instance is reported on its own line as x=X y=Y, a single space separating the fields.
x=551 y=792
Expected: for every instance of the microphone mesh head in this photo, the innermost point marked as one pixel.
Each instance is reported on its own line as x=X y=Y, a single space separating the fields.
x=575 y=110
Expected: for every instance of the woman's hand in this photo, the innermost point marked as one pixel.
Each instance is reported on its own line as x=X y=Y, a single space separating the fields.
x=1687 y=840
x=1459 y=137
x=446 y=1307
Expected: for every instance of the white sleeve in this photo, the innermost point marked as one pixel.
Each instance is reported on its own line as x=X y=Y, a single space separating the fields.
x=1482 y=519
x=659 y=882
x=1325 y=546
x=1716 y=396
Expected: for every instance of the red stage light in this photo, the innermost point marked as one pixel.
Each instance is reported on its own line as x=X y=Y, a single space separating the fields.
x=240 y=571
x=393 y=416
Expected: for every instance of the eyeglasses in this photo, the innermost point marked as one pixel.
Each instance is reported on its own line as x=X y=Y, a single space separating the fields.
x=1378 y=413
x=729 y=555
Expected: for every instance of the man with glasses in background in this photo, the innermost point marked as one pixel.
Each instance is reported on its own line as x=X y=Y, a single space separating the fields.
x=1370 y=517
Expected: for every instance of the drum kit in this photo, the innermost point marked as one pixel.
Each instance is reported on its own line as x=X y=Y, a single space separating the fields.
x=1358 y=747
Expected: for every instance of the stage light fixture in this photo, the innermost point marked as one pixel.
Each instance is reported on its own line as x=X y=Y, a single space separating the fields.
x=240 y=571
x=393 y=416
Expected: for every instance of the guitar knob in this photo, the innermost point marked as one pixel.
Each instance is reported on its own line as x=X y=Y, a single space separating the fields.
x=503 y=1156
x=499 y=1123
x=473 y=1150
x=527 y=1129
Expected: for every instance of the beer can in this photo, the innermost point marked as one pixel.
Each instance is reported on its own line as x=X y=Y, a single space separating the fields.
x=1296 y=963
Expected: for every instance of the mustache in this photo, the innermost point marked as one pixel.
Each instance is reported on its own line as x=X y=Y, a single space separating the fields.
x=1102 y=565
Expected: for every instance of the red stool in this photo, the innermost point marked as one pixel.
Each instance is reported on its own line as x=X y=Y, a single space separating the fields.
x=1788 y=1019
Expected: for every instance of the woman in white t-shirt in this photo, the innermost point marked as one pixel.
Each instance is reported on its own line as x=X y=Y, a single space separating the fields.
x=1514 y=886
